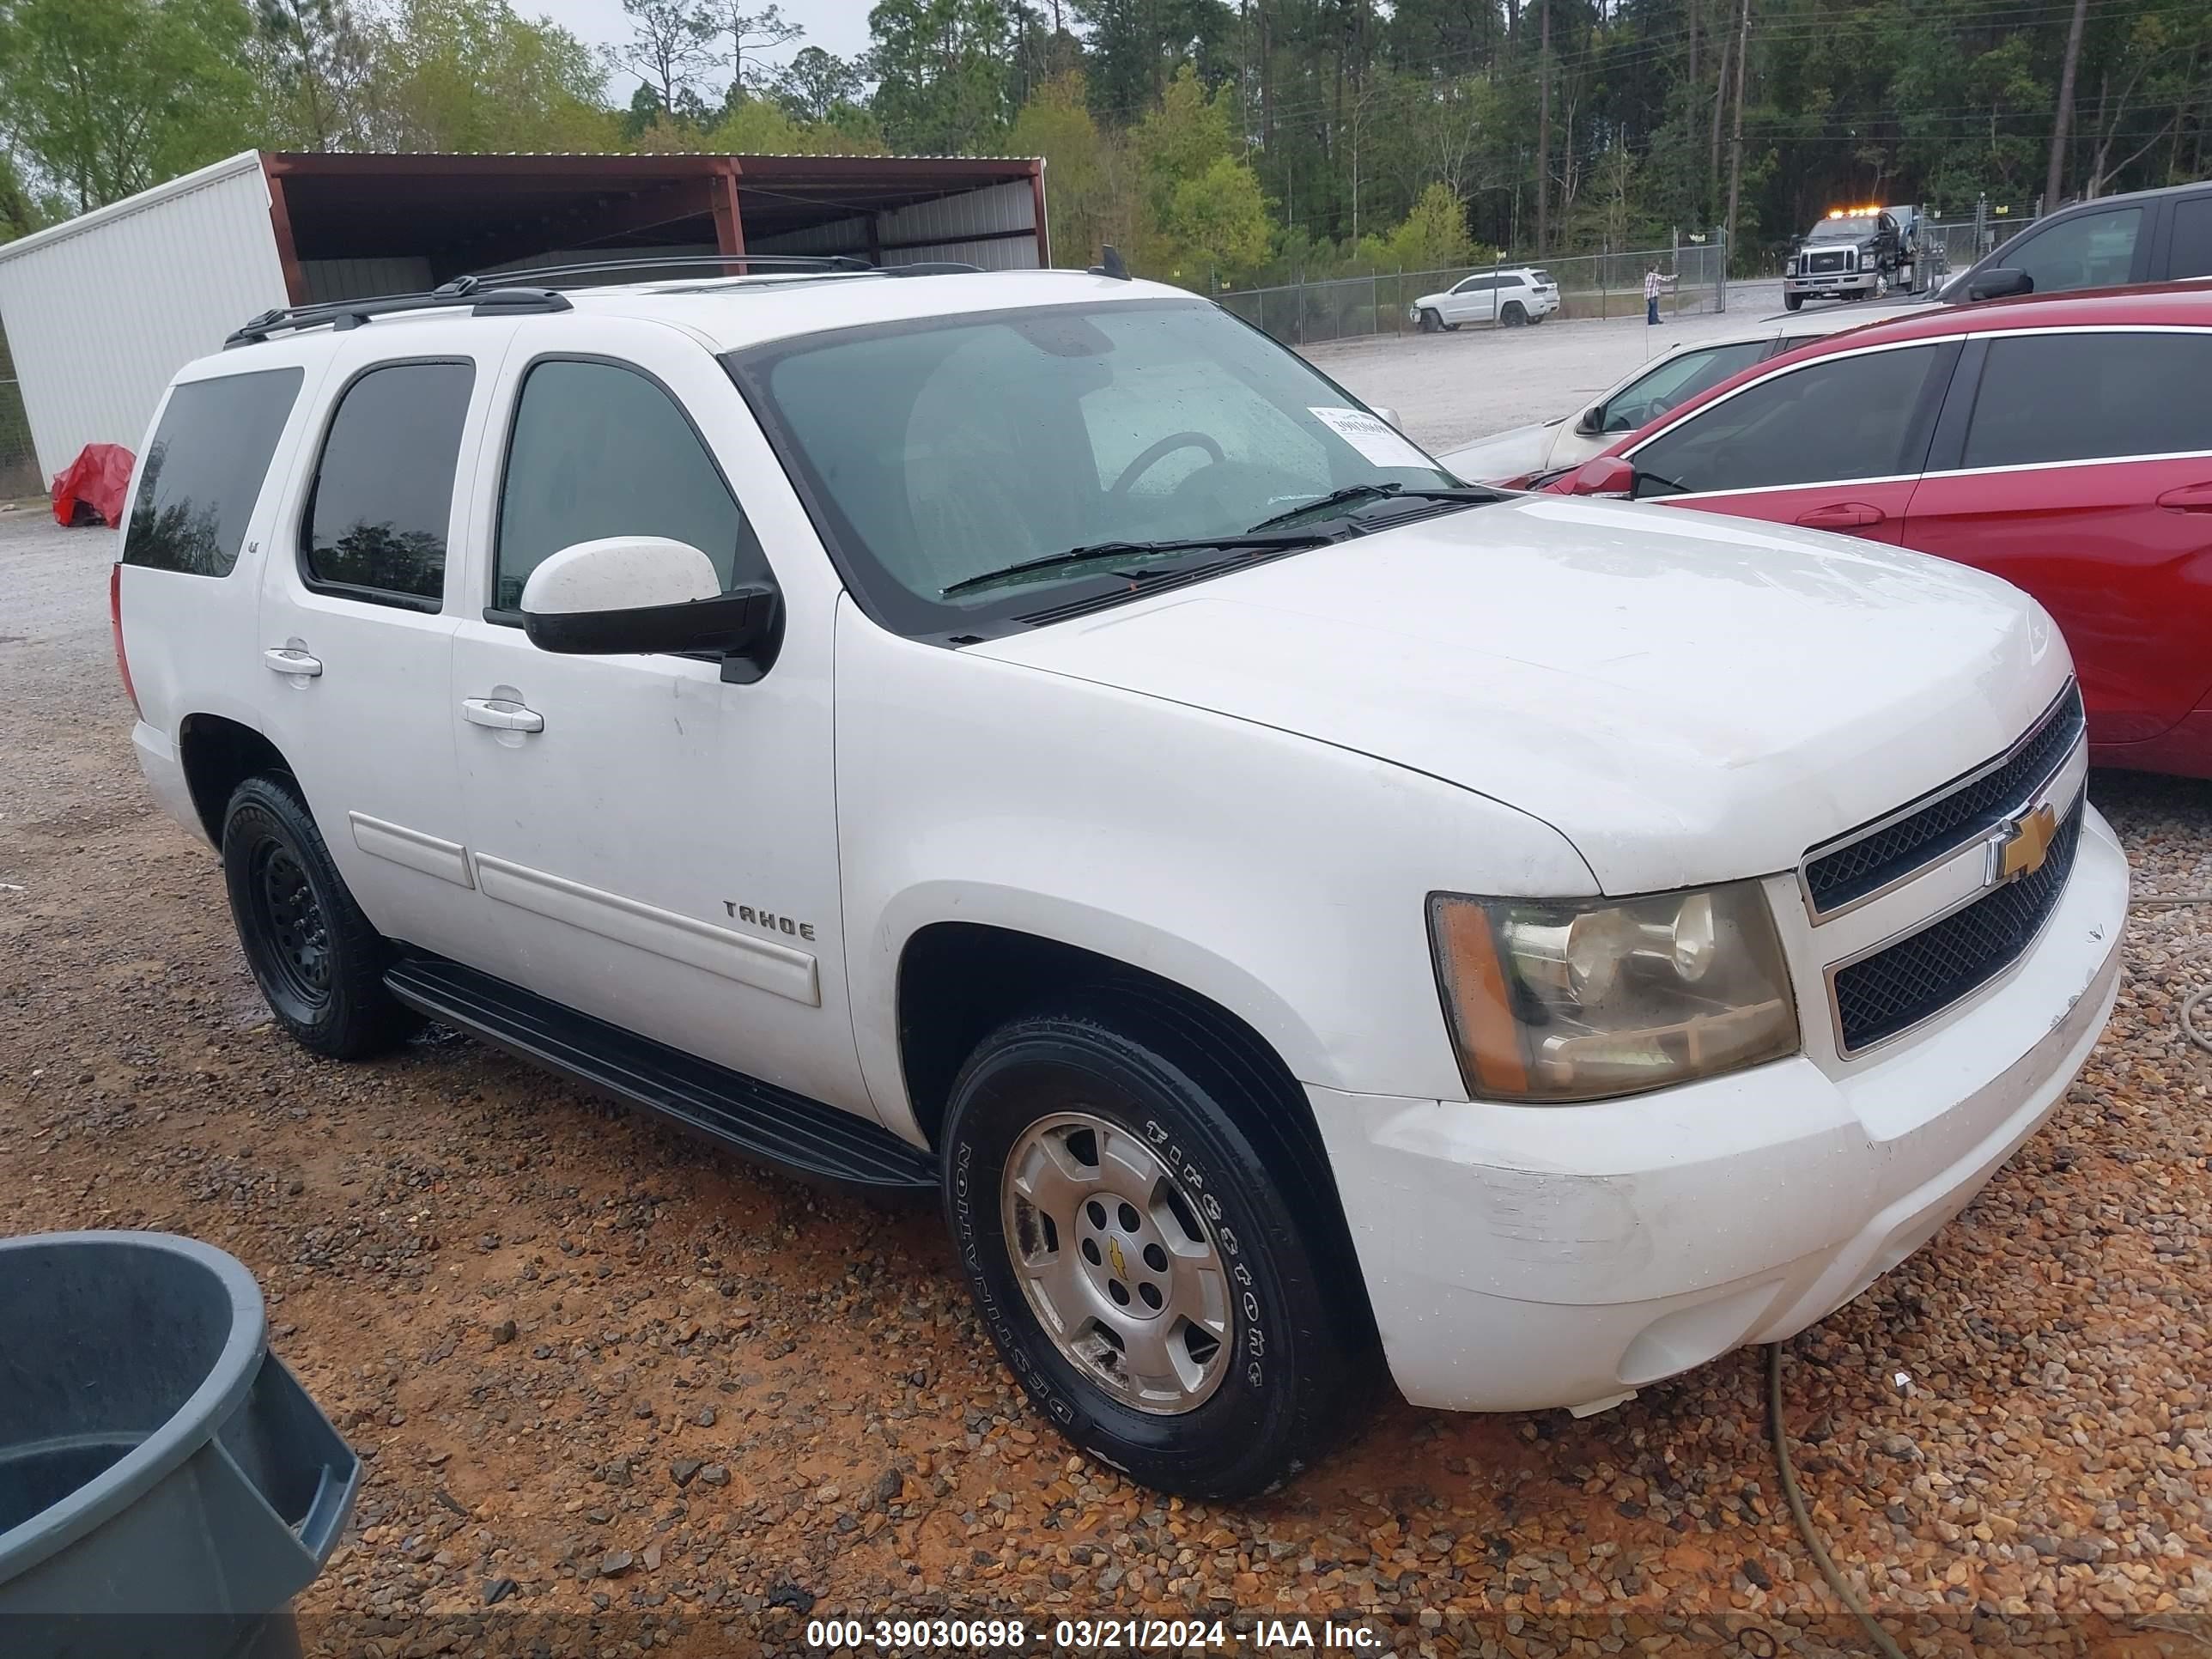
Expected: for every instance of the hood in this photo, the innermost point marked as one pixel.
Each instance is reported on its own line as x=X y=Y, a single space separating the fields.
x=1687 y=698
x=1514 y=455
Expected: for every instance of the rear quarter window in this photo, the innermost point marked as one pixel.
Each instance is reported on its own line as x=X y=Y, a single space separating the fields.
x=2189 y=251
x=204 y=471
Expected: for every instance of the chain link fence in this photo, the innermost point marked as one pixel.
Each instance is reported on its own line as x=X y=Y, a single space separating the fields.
x=1959 y=243
x=1590 y=285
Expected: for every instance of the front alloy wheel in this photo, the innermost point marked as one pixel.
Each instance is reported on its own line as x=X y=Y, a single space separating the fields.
x=1153 y=1244
x=1118 y=1265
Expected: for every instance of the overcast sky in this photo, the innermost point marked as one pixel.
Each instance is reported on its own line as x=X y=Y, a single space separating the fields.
x=838 y=25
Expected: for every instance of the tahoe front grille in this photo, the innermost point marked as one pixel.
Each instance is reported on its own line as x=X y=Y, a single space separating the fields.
x=1894 y=989
x=1873 y=859
x=1826 y=263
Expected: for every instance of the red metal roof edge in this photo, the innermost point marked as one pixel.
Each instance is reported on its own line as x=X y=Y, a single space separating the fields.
x=673 y=164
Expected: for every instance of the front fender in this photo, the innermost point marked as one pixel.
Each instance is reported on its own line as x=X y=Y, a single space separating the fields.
x=1284 y=879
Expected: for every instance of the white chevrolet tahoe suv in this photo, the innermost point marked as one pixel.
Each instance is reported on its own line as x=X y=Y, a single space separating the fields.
x=1027 y=738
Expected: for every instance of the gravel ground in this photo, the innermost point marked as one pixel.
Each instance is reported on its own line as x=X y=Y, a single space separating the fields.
x=615 y=1389
x=1451 y=389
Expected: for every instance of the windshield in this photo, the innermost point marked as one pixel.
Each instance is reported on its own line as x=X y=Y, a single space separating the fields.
x=1844 y=230
x=934 y=452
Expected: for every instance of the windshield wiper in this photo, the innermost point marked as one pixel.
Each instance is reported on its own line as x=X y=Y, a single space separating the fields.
x=1092 y=552
x=1365 y=492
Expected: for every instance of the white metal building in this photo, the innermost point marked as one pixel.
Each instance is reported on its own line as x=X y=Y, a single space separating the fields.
x=101 y=311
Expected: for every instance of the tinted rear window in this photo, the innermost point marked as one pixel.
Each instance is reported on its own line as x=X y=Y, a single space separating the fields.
x=2191 y=252
x=2091 y=397
x=204 y=472
x=384 y=490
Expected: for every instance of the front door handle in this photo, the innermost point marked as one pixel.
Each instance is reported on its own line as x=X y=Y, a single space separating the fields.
x=1841 y=516
x=290 y=660
x=501 y=714
x=2189 y=498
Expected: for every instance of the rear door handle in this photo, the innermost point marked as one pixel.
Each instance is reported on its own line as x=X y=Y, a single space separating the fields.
x=2189 y=498
x=290 y=660
x=500 y=715
x=1841 y=516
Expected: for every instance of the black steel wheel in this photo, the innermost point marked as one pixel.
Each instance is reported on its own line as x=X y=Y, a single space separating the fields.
x=318 y=960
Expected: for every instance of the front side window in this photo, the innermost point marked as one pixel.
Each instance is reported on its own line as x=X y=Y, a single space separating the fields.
x=383 y=502
x=2090 y=396
x=1673 y=382
x=2093 y=250
x=601 y=450
x=937 y=454
x=1839 y=418
x=204 y=471
x=1476 y=285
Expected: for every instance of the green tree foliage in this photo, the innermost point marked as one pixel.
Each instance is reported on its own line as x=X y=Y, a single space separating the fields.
x=942 y=68
x=310 y=63
x=1088 y=201
x=1211 y=140
x=469 y=75
x=819 y=86
x=105 y=97
x=1432 y=236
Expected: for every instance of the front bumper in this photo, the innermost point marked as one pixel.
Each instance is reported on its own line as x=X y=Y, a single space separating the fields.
x=1519 y=1258
x=1849 y=282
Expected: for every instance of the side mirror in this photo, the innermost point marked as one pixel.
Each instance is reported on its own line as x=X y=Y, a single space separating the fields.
x=630 y=595
x=2000 y=283
x=1590 y=422
x=1387 y=416
x=1603 y=475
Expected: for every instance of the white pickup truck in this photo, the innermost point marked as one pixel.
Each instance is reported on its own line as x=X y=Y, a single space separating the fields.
x=1028 y=739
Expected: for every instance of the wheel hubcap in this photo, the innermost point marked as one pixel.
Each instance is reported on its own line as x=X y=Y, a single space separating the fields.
x=299 y=940
x=1118 y=1263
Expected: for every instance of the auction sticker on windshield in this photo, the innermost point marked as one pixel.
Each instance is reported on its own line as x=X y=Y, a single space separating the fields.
x=1373 y=437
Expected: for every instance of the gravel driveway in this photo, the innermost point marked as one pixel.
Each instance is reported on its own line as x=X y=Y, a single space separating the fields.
x=615 y=1388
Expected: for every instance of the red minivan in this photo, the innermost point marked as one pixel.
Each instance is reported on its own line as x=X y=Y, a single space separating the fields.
x=2064 y=443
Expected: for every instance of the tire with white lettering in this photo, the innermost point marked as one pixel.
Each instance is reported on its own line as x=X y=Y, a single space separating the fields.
x=1154 y=1243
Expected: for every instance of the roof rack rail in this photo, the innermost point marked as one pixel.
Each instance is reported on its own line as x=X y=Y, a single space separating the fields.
x=849 y=264
x=804 y=262
x=352 y=313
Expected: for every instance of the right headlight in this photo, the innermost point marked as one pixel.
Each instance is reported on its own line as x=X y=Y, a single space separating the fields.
x=1555 y=1001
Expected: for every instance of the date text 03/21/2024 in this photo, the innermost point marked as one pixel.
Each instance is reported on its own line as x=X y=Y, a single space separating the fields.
x=1085 y=1635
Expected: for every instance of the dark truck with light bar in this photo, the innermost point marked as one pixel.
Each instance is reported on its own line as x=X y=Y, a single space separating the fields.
x=1858 y=254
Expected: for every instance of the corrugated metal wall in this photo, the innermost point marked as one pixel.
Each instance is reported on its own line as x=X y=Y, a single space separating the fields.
x=100 y=312
x=362 y=279
x=942 y=229
x=585 y=256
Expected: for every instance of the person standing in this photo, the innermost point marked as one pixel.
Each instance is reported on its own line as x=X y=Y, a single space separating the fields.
x=1654 y=285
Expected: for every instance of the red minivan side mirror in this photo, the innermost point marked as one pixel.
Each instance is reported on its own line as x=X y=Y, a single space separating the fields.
x=1602 y=475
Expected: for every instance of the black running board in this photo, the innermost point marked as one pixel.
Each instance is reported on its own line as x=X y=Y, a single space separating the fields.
x=771 y=1125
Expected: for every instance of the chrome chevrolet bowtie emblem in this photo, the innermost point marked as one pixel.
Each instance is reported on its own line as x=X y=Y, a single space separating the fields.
x=2018 y=846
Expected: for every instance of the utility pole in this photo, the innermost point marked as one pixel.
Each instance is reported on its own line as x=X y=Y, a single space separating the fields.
x=1735 y=144
x=1720 y=103
x=2055 y=175
x=1544 y=130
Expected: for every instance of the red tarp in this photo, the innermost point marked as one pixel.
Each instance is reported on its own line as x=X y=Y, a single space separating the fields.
x=92 y=487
